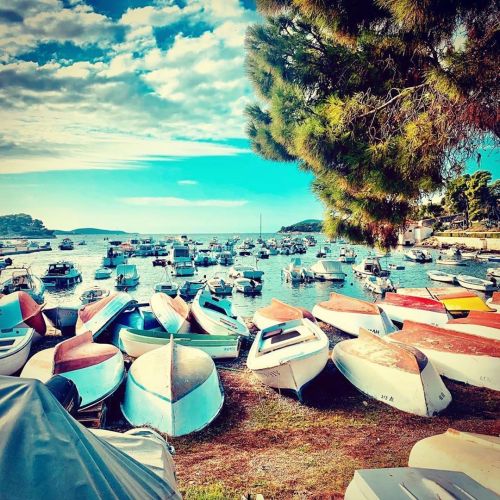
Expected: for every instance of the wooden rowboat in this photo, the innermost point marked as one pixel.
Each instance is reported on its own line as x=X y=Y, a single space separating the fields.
x=483 y=324
x=279 y=312
x=171 y=313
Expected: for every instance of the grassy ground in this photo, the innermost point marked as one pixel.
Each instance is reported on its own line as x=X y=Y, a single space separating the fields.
x=269 y=443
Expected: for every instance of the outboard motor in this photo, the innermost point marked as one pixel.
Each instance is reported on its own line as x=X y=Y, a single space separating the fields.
x=65 y=391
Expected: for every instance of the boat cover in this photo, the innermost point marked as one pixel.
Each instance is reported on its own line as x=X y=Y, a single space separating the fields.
x=44 y=452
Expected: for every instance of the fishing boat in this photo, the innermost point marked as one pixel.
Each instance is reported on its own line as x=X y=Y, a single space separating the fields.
x=93 y=295
x=66 y=244
x=189 y=289
x=459 y=303
x=102 y=273
x=370 y=267
x=415 y=255
x=184 y=268
x=289 y=355
x=97 y=370
x=137 y=342
x=250 y=272
x=225 y=258
x=295 y=272
x=347 y=255
x=473 y=283
x=377 y=284
x=494 y=302
x=215 y=315
x=126 y=276
x=406 y=307
x=483 y=324
x=62 y=274
x=349 y=315
x=175 y=389
x=219 y=286
x=329 y=270
x=451 y=257
x=114 y=257
x=456 y=355
x=168 y=286
x=20 y=279
x=442 y=277
x=247 y=286
x=398 y=375
x=97 y=316
x=279 y=312
x=171 y=313
x=477 y=455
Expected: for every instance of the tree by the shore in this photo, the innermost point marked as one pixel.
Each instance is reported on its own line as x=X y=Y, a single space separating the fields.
x=382 y=100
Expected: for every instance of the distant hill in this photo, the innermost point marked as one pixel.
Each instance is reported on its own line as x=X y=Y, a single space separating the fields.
x=23 y=226
x=305 y=226
x=89 y=230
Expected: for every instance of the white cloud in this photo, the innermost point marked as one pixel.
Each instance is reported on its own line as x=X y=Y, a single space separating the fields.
x=187 y=182
x=170 y=201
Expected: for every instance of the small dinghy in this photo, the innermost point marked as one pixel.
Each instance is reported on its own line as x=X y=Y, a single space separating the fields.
x=248 y=286
x=494 y=302
x=93 y=295
x=473 y=283
x=404 y=483
x=102 y=273
x=219 y=286
x=171 y=313
x=459 y=356
x=289 y=355
x=406 y=307
x=174 y=389
x=97 y=370
x=250 y=272
x=349 y=315
x=396 y=374
x=379 y=285
x=483 y=324
x=216 y=315
x=279 y=312
x=442 y=276
x=476 y=455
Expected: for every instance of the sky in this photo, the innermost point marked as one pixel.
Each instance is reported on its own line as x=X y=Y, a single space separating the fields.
x=129 y=115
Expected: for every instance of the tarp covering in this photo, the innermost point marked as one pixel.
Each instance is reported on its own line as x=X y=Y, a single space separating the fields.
x=44 y=452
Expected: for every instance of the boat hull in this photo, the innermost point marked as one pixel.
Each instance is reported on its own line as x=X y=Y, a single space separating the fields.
x=401 y=314
x=15 y=357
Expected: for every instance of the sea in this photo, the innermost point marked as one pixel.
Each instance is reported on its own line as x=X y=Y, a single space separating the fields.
x=88 y=258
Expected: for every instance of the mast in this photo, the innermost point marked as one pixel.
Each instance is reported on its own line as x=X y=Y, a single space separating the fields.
x=260 y=227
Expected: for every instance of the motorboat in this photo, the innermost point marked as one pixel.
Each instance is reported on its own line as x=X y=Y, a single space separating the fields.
x=483 y=324
x=250 y=272
x=279 y=312
x=248 y=286
x=327 y=269
x=456 y=355
x=378 y=284
x=144 y=250
x=396 y=267
x=168 y=286
x=219 y=286
x=189 y=289
x=204 y=260
x=488 y=257
x=184 y=268
x=347 y=255
x=493 y=303
x=97 y=370
x=93 y=294
x=82 y=243
x=102 y=273
x=262 y=253
x=393 y=373
x=451 y=257
x=473 y=283
x=126 y=276
x=370 y=267
x=225 y=258
x=477 y=455
x=289 y=355
x=407 y=307
x=174 y=389
x=66 y=244
x=215 y=315
x=349 y=315
x=20 y=279
x=442 y=277
x=415 y=255
x=62 y=274
x=114 y=257
x=494 y=272
x=295 y=272
x=171 y=313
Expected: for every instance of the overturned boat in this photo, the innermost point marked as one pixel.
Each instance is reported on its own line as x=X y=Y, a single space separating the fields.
x=171 y=313
x=396 y=374
x=483 y=324
x=175 y=389
x=279 y=312
x=494 y=302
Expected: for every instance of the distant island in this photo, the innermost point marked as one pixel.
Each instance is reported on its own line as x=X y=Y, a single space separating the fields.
x=23 y=226
x=89 y=230
x=305 y=226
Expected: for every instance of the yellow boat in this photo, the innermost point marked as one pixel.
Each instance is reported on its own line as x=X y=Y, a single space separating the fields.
x=460 y=303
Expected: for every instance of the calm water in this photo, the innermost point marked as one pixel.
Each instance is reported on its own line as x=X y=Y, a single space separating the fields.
x=88 y=259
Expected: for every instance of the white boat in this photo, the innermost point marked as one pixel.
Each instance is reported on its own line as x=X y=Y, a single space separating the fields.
x=189 y=289
x=219 y=286
x=483 y=324
x=66 y=244
x=102 y=273
x=436 y=275
x=494 y=302
x=473 y=283
x=415 y=255
x=427 y=255
x=126 y=276
x=489 y=257
x=62 y=274
x=459 y=356
x=295 y=272
x=114 y=257
x=250 y=272
x=329 y=270
x=215 y=315
x=171 y=313
x=451 y=257
x=289 y=355
x=247 y=286
x=184 y=268
x=204 y=260
x=93 y=294
x=168 y=286
x=477 y=455
x=347 y=255
x=395 y=374
x=349 y=315
x=225 y=258
x=263 y=253
x=377 y=284
x=494 y=272
x=369 y=267
x=20 y=279
x=97 y=370
x=401 y=308
x=279 y=312
x=174 y=389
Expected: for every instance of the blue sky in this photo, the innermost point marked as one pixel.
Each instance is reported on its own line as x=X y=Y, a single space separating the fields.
x=129 y=115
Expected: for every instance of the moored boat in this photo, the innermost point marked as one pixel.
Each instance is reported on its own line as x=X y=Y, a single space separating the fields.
x=483 y=324
x=249 y=272
x=349 y=315
x=398 y=375
x=171 y=313
x=473 y=283
x=329 y=270
x=248 y=286
x=370 y=267
x=62 y=274
x=93 y=295
x=114 y=257
x=21 y=279
x=347 y=255
x=415 y=255
x=289 y=355
x=126 y=276
x=189 y=289
x=219 y=286
x=66 y=244
x=279 y=312
x=442 y=277
x=494 y=272
x=377 y=284
x=102 y=273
